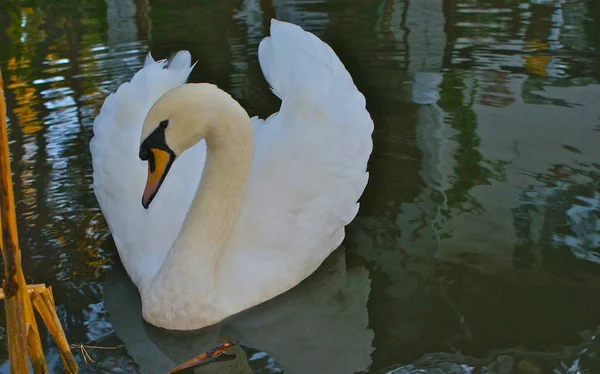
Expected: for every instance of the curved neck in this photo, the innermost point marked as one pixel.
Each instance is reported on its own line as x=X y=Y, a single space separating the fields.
x=189 y=267
x=218 y=200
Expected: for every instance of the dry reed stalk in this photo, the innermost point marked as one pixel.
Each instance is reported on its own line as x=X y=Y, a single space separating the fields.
x=14 y=282
x=202 y=357
x=22 y=331
x=44 y=304
x=87 y=358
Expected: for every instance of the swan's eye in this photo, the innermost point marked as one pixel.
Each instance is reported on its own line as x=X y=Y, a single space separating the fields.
x=163 y=124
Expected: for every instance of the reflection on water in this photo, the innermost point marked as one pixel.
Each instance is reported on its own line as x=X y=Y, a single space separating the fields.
x=477 y=248
x=59 y=61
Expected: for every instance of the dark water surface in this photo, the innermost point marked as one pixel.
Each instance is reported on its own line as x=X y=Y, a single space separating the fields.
x=477 y=247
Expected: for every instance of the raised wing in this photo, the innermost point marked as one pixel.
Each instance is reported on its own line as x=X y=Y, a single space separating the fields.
x=143 y=237
x=309 y=168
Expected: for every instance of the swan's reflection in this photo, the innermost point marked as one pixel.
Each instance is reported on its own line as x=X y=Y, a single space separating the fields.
x=320 y=326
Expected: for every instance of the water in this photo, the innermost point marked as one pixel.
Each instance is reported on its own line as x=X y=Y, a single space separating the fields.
x=477 y=247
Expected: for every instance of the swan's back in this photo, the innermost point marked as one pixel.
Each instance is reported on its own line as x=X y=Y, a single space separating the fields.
x=143 y=237
x=309 y=168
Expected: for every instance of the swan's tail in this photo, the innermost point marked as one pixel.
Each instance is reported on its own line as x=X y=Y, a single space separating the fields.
x=295 y=60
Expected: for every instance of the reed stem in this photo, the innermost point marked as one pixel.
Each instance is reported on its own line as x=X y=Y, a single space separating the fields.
x=22 y=331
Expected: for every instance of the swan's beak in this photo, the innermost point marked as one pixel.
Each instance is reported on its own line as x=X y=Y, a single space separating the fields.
x=160 y=157
x=159 y=163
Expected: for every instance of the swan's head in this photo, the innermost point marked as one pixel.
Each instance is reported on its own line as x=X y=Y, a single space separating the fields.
x=177 y=121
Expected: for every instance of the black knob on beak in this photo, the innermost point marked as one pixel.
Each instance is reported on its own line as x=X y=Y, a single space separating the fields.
x=144 y=154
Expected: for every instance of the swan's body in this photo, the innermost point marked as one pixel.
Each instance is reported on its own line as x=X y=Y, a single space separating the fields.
x=274 y=197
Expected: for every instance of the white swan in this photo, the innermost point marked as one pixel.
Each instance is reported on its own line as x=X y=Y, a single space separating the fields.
x=274 y=196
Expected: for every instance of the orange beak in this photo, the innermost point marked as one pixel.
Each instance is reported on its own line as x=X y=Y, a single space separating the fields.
x=159 y=163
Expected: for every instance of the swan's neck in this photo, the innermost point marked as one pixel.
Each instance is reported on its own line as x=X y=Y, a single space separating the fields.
x=218 y=201
x=186 y=280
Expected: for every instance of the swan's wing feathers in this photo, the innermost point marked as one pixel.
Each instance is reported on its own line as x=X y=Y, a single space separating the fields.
x=293 y=60
x=310 y=162
x=181 y=61
x=321 y=138
x=119 y=175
